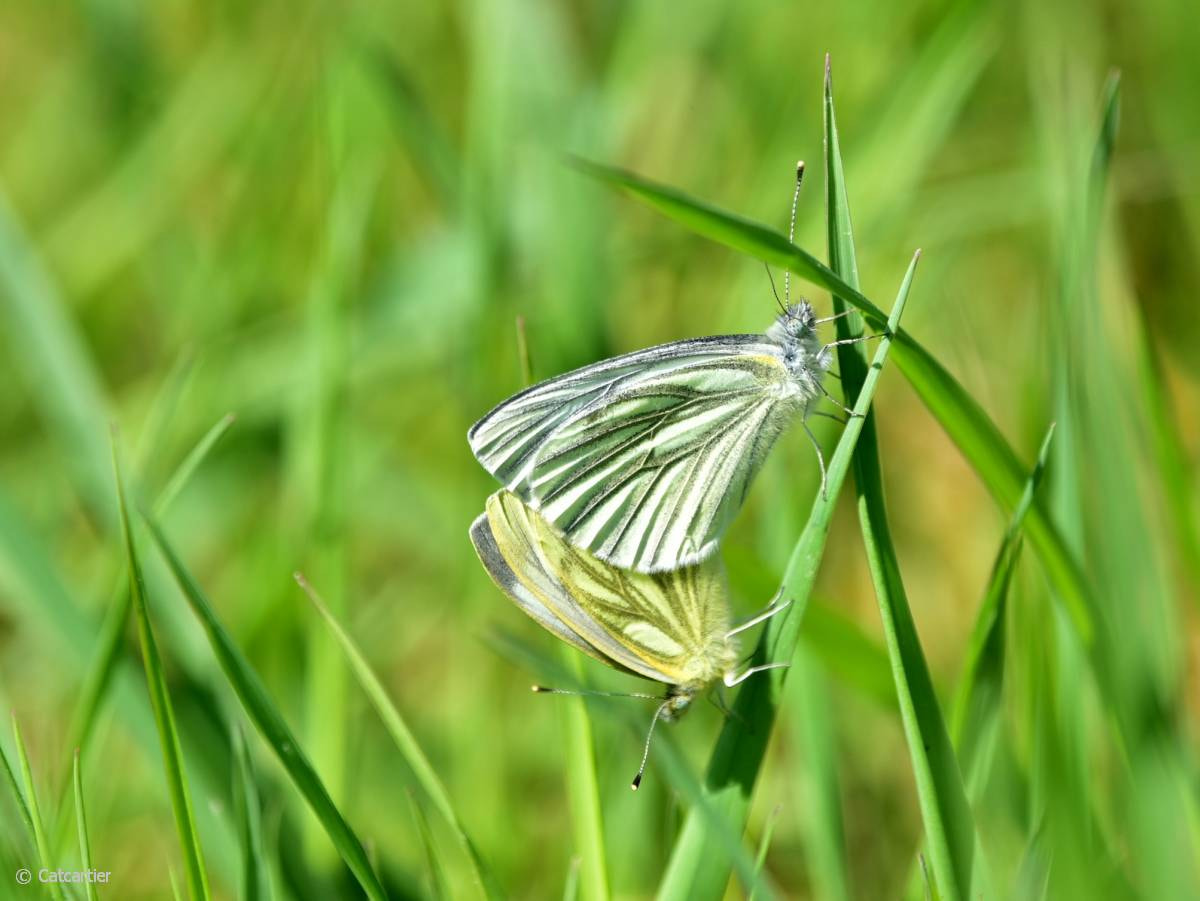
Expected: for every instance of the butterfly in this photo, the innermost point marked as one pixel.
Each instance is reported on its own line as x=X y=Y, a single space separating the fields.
x=671 y=627
x=644 y=459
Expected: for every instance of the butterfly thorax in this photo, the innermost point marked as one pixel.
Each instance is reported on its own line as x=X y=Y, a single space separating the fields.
x=804 y=355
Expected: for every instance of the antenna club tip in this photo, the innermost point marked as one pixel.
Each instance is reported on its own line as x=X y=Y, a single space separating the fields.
x=537 y=689
x=799 y=167
x=637 y=781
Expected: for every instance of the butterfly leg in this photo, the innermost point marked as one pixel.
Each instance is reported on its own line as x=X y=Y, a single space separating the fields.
x=732 y=680
x=849 y=411
x=771 y=609
x=832 y=416
x=857 y=340
x=820 y=456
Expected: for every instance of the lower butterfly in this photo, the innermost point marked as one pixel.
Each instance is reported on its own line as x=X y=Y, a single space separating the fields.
x=671 y=627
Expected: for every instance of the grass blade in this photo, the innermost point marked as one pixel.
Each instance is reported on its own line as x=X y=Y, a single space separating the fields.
x=943 y=800
x=29 y=809
x=257 y=703
x=103 y=662
x=439 y=887
x=52 y=354
x=404 y=739
x=978 y=694
x=964 y=420
x=698 y=868
x=249 y=820
x=85 y=845
x=764 y=845
x=160 y=703
x=812 y=726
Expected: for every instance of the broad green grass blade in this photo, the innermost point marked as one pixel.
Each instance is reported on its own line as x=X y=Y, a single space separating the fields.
x=404 y=740
x=29 y=809
x=698 y=868
x=249 y=821
x=85 y=844
x=964 y=420
x=257 y=703
x=583 y=791
x=943 y=800
x=160 y=702
x=977 y=697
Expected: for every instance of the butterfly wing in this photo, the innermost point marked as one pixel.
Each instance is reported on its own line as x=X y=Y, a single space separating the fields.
x=673 y=623
x=502 y=540
x=644 y=459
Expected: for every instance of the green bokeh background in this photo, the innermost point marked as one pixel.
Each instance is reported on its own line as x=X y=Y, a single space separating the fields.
x=326 y=219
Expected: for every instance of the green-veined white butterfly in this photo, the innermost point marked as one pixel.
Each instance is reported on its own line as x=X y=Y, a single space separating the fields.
x=671 y=627
x=645 y=458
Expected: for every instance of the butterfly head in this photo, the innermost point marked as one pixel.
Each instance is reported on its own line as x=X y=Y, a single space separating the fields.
x=797 y=320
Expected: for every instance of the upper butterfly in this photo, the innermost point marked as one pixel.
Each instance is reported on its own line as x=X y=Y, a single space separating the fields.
x=645 y=458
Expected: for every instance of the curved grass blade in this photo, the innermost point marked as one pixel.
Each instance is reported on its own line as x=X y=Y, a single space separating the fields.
x=404 y=739
x=249 y=820
x=698 y=867
x=29 y=809
x=85 y=845
x=257 y=703
x=964 y=420
x=160 y=703
x=944 y=808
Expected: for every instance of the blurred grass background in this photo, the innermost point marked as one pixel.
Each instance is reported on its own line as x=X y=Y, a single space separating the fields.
x=325 y=219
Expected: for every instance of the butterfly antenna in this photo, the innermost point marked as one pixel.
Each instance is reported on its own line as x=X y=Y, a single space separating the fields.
x=778 y=302
x=637 y=780
x=545 y=690
x=787 y=275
